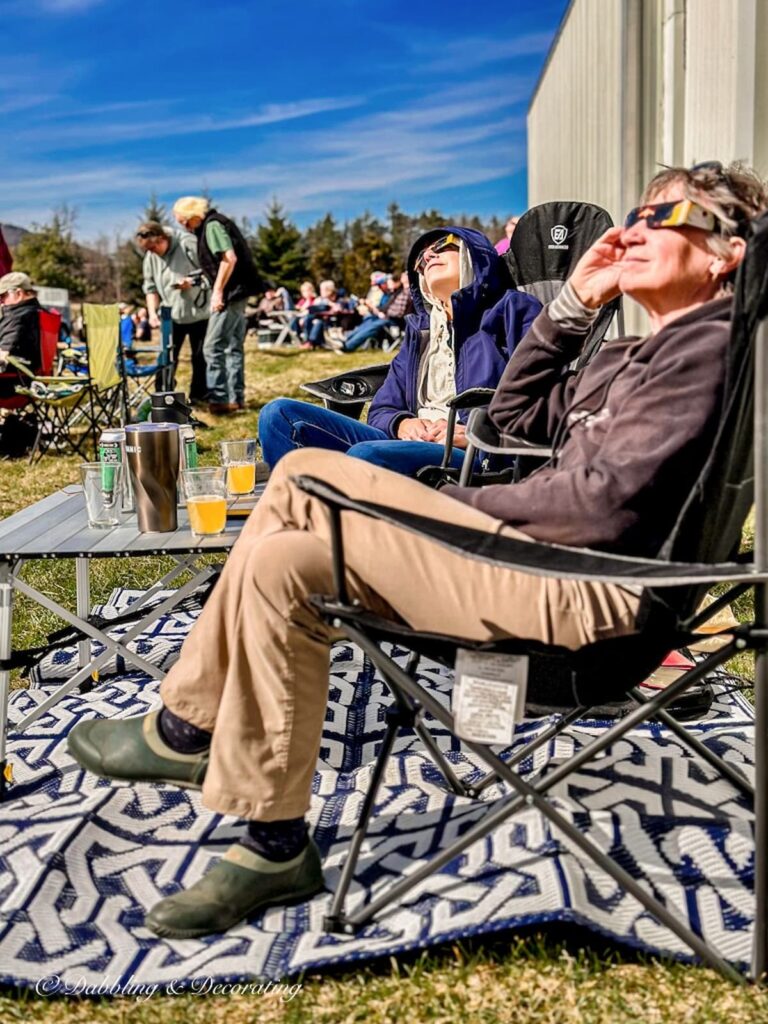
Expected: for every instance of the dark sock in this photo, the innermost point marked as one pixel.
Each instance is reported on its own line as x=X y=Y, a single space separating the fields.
x=276 y=840
x=181 y=736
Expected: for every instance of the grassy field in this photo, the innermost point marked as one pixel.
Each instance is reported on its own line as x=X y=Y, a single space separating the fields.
x=554 y=979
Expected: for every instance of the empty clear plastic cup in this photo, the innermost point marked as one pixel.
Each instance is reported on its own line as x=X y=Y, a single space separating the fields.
x=206 y=493
x=102 y=487
x=239 y=460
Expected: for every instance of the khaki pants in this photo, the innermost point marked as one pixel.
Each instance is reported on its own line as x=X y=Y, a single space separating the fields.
x=255 y=668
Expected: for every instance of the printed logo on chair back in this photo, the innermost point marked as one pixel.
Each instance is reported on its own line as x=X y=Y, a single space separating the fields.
x=558 y=234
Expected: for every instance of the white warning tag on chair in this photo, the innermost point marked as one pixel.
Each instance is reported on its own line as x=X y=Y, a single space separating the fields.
x=489 y=696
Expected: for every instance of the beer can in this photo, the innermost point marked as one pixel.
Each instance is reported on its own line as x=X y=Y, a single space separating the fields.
x=188 y=447
x=111 y=454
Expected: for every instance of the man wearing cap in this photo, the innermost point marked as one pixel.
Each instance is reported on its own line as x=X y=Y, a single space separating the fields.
x=19 y=326
x=226 y=261
x=170 y=257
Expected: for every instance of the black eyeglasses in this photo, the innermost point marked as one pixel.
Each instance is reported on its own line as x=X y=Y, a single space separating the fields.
x=146 y=234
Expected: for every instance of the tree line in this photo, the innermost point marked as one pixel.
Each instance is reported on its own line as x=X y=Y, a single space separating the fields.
x=110 y=269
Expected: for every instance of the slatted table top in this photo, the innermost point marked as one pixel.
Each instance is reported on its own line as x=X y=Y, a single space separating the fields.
x=57 y=527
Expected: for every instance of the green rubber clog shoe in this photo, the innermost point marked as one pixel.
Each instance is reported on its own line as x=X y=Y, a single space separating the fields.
x=241 y=883
x=132 y=749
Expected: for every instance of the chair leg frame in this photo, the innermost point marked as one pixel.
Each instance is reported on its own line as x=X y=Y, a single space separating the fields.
x=524 y=795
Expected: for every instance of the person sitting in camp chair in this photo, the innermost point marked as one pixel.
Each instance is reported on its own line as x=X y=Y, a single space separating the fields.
x=466 y=324
x=19 y=328
x=243 y=707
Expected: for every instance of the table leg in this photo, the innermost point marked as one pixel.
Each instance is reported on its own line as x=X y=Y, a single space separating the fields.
x=83 y=586
x=6 y=622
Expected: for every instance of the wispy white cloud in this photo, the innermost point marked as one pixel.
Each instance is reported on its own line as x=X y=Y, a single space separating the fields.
x=454 y=137
x=472 y=52
x=87 y=132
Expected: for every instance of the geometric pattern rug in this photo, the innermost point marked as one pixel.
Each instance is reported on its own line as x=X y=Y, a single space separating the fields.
x=82 y=859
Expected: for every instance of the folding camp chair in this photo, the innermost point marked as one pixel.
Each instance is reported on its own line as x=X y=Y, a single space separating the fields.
x=73 y=408
x=144 y=378
x=708 y=530
x=26 y=426
x=50 y=322
x=548 y=242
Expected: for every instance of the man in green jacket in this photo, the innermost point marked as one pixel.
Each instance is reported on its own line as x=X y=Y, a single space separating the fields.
x=172 y=278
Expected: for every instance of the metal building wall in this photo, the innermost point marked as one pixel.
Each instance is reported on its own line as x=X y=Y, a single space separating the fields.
x=575 y=118
x=721 y=79
x=632 y=84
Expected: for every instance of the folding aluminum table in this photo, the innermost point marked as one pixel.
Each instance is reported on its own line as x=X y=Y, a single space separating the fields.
x=57 y=527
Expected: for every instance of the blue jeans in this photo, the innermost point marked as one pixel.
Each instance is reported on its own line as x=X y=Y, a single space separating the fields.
x=285 y=424
x=371 y=327
x=223 y=351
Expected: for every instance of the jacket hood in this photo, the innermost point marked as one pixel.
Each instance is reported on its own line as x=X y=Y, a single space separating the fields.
x=491 y=278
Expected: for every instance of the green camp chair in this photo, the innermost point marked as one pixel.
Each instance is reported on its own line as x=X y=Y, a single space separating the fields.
x=75 y=406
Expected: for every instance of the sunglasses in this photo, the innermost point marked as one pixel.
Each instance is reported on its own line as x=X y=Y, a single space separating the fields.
x=147 y=234
x=449 y=243
x=683 y=213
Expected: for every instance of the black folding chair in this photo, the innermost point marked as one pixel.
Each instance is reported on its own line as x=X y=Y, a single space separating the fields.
x=699 y=552
x=348 y=392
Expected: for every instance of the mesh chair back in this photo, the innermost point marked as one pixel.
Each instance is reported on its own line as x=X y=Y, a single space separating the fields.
x=548 y=242
x=103 y=327
x=50 y=324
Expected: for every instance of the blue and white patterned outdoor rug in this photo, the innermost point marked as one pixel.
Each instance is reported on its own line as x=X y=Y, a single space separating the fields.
x=81 y=859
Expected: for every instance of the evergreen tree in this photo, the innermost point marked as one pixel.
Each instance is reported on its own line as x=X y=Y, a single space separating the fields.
x=403 y=232
x=129 y=272
x=50 y=255
x=278 y=249
x=325 y=248
x=155 y=210
x=368 y=249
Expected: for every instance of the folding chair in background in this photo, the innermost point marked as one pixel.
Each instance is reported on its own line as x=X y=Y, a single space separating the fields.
x=144 y=378
x=50 y=323
x=73 y=408
x=701 y=551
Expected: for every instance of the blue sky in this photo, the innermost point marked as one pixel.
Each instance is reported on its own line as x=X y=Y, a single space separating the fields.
x=332 y=105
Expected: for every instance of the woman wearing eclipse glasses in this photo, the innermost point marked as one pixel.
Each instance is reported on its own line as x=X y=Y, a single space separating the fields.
x=243 y=707
x=466 y=323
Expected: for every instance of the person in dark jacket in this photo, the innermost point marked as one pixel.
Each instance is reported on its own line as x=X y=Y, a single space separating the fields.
x=466 y=323
x=19 y=328
x=243 y=707
x=226 y=261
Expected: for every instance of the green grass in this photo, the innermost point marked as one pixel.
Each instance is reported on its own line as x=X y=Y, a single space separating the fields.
x=556 y=979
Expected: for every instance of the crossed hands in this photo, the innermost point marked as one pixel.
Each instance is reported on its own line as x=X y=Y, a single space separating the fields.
x=414 y=429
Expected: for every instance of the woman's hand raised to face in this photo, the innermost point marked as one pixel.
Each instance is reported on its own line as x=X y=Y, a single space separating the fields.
x=595 y=278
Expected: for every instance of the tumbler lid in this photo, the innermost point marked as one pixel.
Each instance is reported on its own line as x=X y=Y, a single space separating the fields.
x=170 y=407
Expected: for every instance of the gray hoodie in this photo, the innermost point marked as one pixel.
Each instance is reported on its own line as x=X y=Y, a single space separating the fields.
x=162 y=272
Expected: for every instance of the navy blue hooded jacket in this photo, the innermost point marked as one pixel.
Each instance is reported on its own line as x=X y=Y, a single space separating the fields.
x=489 y=319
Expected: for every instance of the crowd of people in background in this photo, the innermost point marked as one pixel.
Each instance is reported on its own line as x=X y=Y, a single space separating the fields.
x=202 y=270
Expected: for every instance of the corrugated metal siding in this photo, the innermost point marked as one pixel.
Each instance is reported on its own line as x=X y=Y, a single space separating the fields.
x=574 y=120
x=717 y=98
x=761 y=90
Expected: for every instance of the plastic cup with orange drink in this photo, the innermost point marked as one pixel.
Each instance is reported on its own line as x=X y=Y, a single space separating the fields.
x=239 y=461
x=205 y=489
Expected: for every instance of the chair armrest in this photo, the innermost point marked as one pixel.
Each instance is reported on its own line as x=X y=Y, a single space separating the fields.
x=483 y=434
x=472 y=398
x=354 y=386
x=534 y=557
